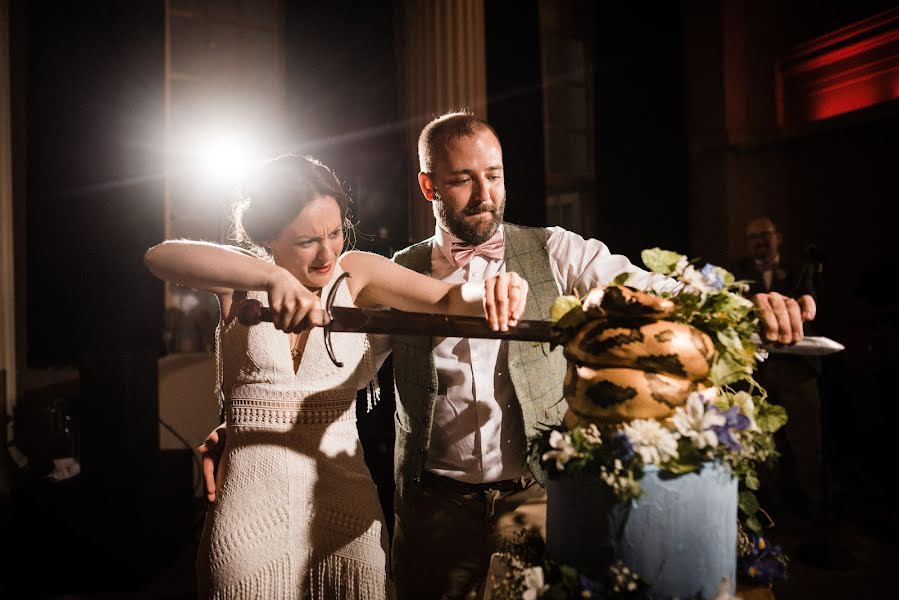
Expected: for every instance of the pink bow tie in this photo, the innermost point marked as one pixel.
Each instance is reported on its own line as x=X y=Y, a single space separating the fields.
x=494 y=248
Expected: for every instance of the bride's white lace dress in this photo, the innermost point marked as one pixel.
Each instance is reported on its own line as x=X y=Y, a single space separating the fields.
x=297 y=513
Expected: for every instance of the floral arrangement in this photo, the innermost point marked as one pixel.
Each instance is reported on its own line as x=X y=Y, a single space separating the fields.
x=528 y=576
x=730 y=422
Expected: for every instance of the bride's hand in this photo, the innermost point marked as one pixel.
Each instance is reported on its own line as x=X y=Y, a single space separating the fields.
x=505 y=296
x=294 y=307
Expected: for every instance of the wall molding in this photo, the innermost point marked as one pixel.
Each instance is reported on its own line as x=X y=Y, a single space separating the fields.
x=846 y=70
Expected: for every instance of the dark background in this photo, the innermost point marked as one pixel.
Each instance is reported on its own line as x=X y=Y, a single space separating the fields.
x=87 y=96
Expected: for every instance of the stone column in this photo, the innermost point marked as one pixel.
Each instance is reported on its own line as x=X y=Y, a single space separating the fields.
x=442 y=67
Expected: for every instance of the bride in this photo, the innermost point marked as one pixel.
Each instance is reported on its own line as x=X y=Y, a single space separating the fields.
x=297 y=514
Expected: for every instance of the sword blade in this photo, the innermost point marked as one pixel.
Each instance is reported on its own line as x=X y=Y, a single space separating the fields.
x=397 y=322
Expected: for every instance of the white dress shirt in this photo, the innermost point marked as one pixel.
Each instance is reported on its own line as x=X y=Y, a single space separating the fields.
x=766 y=268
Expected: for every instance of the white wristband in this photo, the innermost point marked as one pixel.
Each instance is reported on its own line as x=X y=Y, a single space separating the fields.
x=473 y=291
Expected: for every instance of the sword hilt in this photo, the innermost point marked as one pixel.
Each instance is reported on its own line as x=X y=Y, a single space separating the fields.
x=251 y=312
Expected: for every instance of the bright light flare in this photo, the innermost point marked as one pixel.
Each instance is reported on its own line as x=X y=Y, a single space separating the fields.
x=226 y=159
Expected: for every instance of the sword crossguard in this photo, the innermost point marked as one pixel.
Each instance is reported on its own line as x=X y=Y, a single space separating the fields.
x=329 y=304
x=251 y=312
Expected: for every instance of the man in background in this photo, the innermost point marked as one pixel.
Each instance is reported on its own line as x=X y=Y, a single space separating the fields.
x=791 y=380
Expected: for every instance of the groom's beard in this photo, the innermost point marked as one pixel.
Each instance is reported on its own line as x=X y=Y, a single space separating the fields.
x=471 y=233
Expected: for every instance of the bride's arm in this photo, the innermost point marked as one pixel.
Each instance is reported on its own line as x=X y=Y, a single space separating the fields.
x=223 y=269
x=209 y=267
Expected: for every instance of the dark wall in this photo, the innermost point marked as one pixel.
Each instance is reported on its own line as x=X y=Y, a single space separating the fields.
x=641 y=143
x=806 y=19
x=842 y=181
x=515 y=104
x=88 y=83
x=341 y=103
x=93 y=194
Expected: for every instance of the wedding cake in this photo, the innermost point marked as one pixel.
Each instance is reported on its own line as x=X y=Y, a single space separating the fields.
x=638 y=390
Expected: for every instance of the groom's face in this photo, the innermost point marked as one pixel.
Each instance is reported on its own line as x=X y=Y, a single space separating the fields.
x=467 y=186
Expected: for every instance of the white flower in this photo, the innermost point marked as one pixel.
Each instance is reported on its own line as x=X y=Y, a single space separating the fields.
x=593 y=300
x=708 y=395
x=694 y=422
x=747 y=408
x=697 y=281
x=534 y=584
x=654 y=443
x=591 y=434
x=563 y=452
x=742 y=300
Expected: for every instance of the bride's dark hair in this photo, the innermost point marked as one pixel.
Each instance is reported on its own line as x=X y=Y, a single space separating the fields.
x=276 y=193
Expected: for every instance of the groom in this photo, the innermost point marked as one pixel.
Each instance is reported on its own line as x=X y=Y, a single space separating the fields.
x=466 y=407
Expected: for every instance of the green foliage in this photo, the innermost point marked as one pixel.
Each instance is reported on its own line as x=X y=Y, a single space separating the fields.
x=561 y=307
x=660 y=261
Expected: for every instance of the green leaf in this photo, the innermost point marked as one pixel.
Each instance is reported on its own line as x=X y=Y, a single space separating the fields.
x=569 y=574
x=726 y=371
x=679 y=468
x=731 y=341
x=771 y=418
x=753 y=524
x=562 y=306
x=660 y=261
x=621 y=279
x=572 y=319
x=748 y=503
x=751 y=480
x=689 y=460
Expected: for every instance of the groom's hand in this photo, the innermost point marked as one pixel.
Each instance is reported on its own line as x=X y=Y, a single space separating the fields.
x=782 y=316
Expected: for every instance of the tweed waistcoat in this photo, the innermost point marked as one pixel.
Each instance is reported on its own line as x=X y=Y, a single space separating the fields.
x=537 y=373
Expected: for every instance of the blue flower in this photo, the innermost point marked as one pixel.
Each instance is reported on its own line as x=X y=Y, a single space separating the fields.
x=765 y=563
x=713 y=276
x=589 y=587
x=734 y=421
x=621 y=448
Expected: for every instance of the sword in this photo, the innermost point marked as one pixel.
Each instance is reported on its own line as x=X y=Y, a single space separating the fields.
x=344 y=319
x=810 y=345
x=397 y=322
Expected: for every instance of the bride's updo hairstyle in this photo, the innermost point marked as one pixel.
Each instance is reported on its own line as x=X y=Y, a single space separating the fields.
x=275 y=194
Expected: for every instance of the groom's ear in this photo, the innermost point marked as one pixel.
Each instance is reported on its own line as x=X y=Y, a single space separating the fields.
x=427 y=185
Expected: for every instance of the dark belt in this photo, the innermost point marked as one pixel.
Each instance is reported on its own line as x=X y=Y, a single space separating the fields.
x=462 y=487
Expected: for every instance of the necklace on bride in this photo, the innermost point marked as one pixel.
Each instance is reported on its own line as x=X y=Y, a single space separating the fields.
x=295 y=350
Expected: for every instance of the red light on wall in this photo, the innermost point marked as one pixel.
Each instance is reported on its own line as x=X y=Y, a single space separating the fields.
x=846 y=70
x=856 y=96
